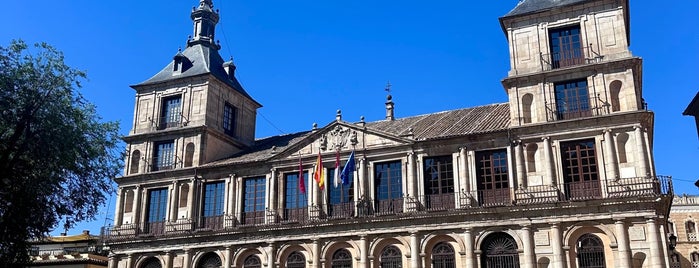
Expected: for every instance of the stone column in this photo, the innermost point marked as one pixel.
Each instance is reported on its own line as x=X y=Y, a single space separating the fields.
x=609 y=147
x=136 y=219
x=230 y=195
x=519 y=160
x=173 y=202
x=186 y=262
x=316 y=254
x=649 y=153
x=528 y=244
x=119 y=207
x=641 y=151
x=129 y=260
x=657 y=258
x=559 y=259
x=469 y=248
x=623 y=247
x=465 y=182
x=363 y=252
x=273 y=190
x=227 y=257
x=168 y=259
x=362 y=180
x=190 y=198
x=412 y=178
x=414 y=250
x=113 y=261
x=270 y=255
x=549 y=165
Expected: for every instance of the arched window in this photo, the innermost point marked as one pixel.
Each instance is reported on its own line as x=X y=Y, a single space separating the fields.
x=443 y=256
x=691 y=228
x=695 y=259
x=621 y=141
x=296 y=260
x=390 y=258
x=527 y=103
x=341 y=259
x=152 y=263
x=615 y=90
x=252 y=261
x=590 y=252
x=128 y=201
x=531 y=157
x=210 y=260
x=135 y=160
x=499 y=250
x=184 y=194
x=188 y=154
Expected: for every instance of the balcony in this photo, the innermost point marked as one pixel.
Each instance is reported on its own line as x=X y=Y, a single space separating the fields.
x=574 y=109
x=569 y=58
x=368 y=210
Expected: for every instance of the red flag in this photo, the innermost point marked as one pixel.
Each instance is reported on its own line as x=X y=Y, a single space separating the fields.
x=302 y=181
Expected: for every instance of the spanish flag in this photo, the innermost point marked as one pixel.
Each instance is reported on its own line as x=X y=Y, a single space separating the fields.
x=319 y=176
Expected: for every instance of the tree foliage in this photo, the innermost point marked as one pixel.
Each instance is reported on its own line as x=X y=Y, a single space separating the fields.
x=56 y=156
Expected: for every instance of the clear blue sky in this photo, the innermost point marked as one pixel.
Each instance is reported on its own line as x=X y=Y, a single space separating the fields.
x=305 y=59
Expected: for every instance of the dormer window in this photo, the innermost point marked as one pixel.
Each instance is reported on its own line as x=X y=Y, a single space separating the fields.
x=566 y=47
x=181 y=64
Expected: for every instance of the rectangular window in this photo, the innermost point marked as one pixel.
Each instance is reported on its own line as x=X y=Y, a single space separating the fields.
x=492 y=178
x=295 y=202
x=572 y=99
x=229 y=113
x=213 y=205
x=164 y=155
x=254 y=201
x=580 y=175
x=566 y=47
x=340 y=198
x=171 y=112
x=157 y=207
x=439 y=183
x=388 y=182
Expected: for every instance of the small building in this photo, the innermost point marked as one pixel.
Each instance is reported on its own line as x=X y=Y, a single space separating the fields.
x=683 y=224
x=693 y=110
x=68 y=251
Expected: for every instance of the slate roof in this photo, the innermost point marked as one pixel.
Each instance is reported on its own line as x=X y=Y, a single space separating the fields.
x=453 y=123
x=533 y=6
x=693 y=107
x=205 y=60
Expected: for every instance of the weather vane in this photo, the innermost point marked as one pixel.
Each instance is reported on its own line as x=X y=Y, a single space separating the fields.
x=388 y=87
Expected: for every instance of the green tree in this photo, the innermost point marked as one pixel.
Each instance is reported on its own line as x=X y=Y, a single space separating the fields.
x=57 y=158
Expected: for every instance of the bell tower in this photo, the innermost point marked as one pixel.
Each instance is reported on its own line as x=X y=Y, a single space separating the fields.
x=570 y=60
x=194 y=110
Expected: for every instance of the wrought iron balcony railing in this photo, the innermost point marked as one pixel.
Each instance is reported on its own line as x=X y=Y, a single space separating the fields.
x=577 y=108
x=366 y=208
x=569 y=57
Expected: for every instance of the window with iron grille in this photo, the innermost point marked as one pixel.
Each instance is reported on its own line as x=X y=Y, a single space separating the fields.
x=171 y=112
x=499 y=250
x=252 y=262
x=210 y=260
x=388 y=182
x=580 y=174
x=590 y=252
x=296 y=260
x=164 y=155
x=691 y=229
x=566 y=47
x=254 y=201
x=295 y=201
x=443 y=256
x=492 y=177
x=229 y=113
x=391 y=258
x=152 y=263
x=439 y=182
x=341 y=259
x=572 y=99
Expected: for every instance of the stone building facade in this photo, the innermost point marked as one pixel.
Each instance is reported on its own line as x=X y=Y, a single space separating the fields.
x=682 y=222
x=561 y=175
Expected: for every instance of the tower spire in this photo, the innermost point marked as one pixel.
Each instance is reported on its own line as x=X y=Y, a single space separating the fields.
x=205 y=19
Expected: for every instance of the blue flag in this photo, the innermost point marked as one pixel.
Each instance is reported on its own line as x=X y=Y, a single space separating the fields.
x=348 y=170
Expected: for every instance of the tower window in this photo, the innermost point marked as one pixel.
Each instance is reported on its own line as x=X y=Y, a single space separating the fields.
x=171 y=112
x=164 y=155
x=566 y=48
x=572 y=100
x=229 y=113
